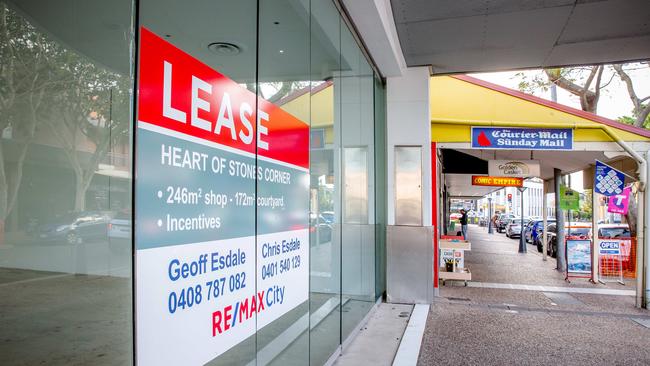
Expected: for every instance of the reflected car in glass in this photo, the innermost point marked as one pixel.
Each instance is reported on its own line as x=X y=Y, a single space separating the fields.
x=320 y=231
x=328 y=216
x=75 y=228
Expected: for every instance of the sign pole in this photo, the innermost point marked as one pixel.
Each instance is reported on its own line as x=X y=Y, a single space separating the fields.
x=522 y=241
x=566 y=255
x=490 y=224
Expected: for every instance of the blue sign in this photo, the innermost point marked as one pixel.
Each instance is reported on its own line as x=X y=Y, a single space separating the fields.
x=522 y=138
x=607 y=180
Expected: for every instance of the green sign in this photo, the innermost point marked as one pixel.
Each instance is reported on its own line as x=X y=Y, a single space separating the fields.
x=569 y=199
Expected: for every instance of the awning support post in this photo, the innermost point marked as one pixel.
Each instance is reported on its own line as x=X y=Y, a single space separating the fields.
x=545 y=222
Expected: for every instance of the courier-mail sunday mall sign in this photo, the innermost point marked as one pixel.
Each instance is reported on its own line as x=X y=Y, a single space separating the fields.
x=522 y=138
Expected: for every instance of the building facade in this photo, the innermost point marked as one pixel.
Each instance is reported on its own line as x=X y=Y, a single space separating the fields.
x=188 y=183
x=508 y=200
x=241 y=182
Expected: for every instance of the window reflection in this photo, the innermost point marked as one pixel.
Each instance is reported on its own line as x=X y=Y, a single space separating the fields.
x=65 y=183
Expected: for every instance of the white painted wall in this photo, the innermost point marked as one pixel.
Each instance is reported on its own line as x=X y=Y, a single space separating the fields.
x=408 y=123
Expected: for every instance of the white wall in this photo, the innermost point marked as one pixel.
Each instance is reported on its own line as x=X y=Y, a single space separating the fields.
x=376 y=25
x=409 y=123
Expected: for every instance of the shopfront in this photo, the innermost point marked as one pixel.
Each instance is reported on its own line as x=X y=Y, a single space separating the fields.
x=187 y=183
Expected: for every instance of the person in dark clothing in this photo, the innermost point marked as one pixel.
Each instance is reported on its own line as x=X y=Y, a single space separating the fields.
x=463 y=223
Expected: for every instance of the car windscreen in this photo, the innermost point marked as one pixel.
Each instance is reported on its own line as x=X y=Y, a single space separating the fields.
x=614 y=232
x=579 y=231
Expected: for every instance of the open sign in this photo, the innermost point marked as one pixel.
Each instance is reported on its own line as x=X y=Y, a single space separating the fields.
x=609 y=248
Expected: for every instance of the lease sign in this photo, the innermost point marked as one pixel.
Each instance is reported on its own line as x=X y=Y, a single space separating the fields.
x=221 y=209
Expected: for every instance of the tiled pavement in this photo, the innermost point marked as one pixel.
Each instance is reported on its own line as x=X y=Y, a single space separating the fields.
x=519 y=310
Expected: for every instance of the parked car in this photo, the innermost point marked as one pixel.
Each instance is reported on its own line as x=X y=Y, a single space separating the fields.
x=328 y=216
x=502 y=221
x=75 y=228
x=513 y=227
x=537 y=232
x=614 y=231
x=534 y=229
x=577 y=230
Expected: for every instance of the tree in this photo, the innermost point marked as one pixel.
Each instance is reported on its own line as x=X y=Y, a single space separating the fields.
x=85 y=110
x=584 y=82
x=641 y=109
x=587 y=83
x=44 y=84
x=586 y=209
x=588 y=92
x=25 y=79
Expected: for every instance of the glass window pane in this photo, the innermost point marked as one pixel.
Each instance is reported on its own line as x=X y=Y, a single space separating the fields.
x=65 y=179
x=196 y=160
x=283 y=204
x=357 y=144
x=325 y=203
x=380 y=187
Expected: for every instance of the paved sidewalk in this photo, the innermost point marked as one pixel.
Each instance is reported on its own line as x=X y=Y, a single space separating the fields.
x=494 y=258
x=520 y=311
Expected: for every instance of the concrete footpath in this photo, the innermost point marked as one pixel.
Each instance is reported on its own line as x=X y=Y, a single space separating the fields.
x=519 y=310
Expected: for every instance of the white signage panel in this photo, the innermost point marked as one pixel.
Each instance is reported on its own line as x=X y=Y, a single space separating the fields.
x=514 y=168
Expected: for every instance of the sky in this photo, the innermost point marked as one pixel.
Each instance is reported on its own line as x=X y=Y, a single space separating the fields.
x=614 y=101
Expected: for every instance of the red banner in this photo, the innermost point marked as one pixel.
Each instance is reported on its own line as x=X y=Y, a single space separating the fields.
x=178 y=92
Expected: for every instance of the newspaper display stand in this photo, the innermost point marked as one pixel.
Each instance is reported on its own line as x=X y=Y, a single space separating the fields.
x=610 y=256
x=452 y=247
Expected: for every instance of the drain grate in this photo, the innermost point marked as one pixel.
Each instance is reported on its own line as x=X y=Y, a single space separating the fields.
x=562 y=298
x=458 y=299
x=404 y=314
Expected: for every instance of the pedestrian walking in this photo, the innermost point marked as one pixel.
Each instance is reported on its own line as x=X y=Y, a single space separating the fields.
x=463 y=223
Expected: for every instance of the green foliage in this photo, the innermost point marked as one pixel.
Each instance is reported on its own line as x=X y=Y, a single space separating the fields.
x=586 y=208
x=532 y=84
x=629 y=120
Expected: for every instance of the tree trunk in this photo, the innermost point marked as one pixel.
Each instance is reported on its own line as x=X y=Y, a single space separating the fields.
x=80 y=191
x=641 y=116
x=632 y=210
x=4 y=189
